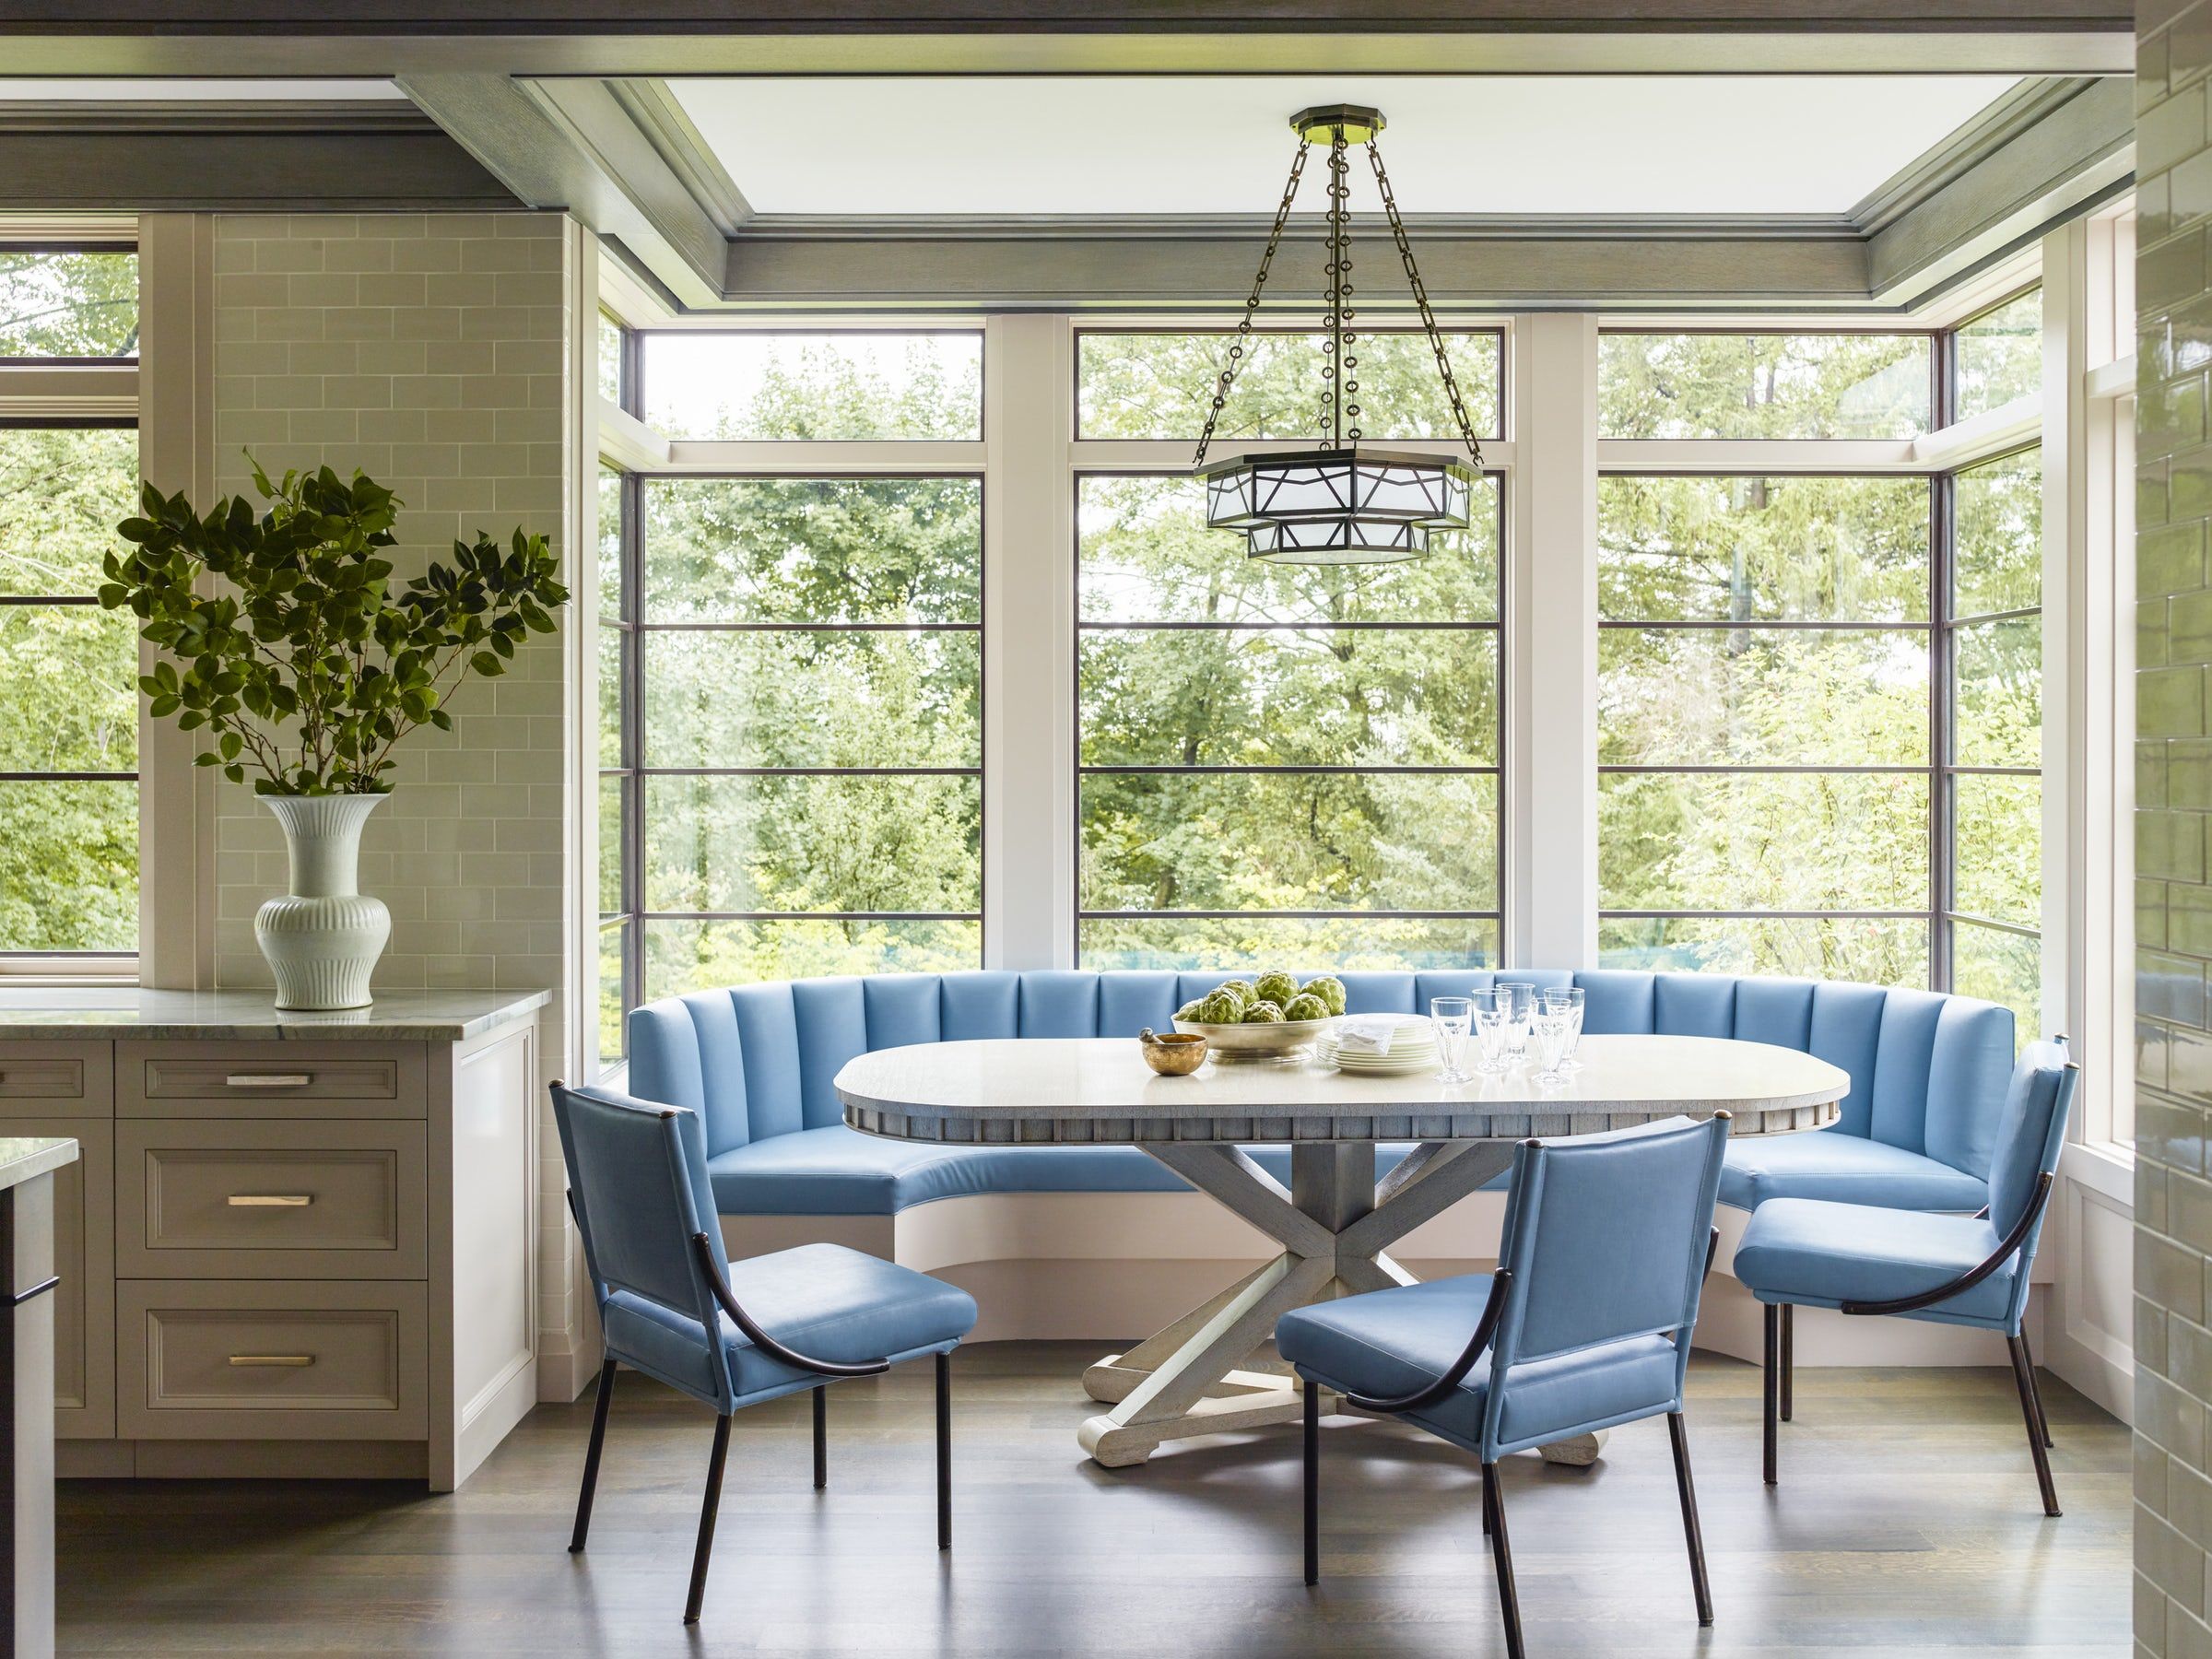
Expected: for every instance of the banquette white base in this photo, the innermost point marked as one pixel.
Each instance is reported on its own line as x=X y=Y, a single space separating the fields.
x=1058 y=1265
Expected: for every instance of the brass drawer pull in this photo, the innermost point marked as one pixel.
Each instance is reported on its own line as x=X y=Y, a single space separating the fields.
x=268 y=1079
x=291 y=1360
x=270 y=1200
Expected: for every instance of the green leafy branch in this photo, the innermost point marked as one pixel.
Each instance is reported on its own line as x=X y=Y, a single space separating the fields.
x=302 y=665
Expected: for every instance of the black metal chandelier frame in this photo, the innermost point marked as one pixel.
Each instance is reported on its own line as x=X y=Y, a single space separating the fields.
x=1343 y=503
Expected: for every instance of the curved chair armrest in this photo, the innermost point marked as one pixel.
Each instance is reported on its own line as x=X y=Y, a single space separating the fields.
x=767 y=1345
x=1972 y=1276
x=1485 y=1329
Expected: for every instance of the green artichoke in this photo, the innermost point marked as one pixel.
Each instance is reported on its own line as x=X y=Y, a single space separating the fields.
x=1222 y=1007
x=1305 y=1005
x=1275 y=986
x=1262 y=1013
x=1190 y=1009
x=1330 y=989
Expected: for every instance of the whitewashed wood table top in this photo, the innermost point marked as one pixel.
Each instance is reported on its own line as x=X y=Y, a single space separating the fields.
x=1098 y=1090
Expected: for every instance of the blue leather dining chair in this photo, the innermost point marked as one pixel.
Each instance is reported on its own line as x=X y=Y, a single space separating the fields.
x=674 y=1306
x=1964 y=1270
x=1584 y=1326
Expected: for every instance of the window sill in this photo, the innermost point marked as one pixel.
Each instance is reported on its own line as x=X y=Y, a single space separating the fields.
x=2106 y=1168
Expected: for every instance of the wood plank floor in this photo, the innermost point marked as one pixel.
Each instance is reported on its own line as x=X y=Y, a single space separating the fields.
x=1907 y=1523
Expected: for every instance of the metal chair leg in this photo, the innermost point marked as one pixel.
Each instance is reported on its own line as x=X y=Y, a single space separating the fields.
x=1789 y=1356
x=821 y=1435
x=1313 y=1492
x=1486 y=1507
x=943 y=1451
x=1691 y=1532
x=2035 y=1386
x=591 y=1458
x=708 y=1509
x=1772 y=1400
x=2026 y=1379
x=1509 y=1600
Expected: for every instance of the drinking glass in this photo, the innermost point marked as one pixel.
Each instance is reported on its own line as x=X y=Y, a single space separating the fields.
x=1454 y=1016
x=1493 y=1029
x=1569 y=998
x=1522 y=1001
x=1553 y=1026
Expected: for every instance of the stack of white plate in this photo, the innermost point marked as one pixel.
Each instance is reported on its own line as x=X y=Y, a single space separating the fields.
x=1412 y=1049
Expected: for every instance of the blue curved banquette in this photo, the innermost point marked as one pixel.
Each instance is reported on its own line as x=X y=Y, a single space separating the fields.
x=1928 y=1076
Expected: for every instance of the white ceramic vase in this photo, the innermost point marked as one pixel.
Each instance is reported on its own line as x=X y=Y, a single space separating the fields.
x=323 y=937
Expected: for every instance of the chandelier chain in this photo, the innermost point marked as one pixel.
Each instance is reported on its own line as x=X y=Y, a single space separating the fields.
x=1337 y=366
x=1251 y=305
x=1420 y=301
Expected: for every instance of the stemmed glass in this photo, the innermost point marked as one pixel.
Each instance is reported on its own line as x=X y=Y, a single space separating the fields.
x=1554 y=1027
x=1454 y=1017
x=1493 y=1028
x=1569 y=999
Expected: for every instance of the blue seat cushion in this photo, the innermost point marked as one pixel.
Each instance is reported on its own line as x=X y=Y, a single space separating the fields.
x=1801 y=1250
x=824 y=1300
x=1845 y=1168
x=840 y=1172
x=1392 y=1342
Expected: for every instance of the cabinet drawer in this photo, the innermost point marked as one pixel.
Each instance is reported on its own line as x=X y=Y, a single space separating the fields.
x=198 y=1197
x=46 y=1079
x=245 y=1360
x=270 y=1079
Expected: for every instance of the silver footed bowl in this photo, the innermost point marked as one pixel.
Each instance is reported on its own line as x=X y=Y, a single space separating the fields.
x=1268 y=1040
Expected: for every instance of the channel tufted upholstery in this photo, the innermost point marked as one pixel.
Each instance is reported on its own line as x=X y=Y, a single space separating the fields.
x=1928 y=1072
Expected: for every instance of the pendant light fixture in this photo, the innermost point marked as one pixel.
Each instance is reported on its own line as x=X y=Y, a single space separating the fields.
x=1347 y=502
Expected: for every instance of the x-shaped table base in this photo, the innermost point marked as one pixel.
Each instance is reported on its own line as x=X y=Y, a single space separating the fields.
x=1201 y=1375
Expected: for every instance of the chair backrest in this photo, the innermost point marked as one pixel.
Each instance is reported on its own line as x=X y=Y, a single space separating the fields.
x=1606 y=1237
x=2032 y=1131
x=637 y=1177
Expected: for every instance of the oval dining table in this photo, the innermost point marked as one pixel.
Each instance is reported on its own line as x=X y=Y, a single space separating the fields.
x=1334 y=1221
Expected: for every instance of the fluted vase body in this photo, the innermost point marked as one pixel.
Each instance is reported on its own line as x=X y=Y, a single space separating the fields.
x=322 y=938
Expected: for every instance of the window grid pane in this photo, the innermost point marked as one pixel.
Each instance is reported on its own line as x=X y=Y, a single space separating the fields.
x=1765 y=723
x=68 y=694
x=806 y=782
x=1765 y=385
x=1282 y=761
x=1993 y=784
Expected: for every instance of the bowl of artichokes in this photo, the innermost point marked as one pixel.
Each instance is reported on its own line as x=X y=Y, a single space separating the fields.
x=1271 y=1017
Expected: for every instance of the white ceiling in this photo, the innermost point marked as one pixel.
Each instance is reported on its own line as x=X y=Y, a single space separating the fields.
x=1207 y=143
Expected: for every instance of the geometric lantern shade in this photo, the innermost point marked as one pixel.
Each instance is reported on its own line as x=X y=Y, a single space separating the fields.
x=1353 y=505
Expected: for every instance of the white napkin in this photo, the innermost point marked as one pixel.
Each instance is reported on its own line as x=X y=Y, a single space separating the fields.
x=1370 y=1034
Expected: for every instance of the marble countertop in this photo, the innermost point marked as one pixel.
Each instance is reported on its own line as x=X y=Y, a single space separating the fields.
x=25 y=1156
x=93 y=1013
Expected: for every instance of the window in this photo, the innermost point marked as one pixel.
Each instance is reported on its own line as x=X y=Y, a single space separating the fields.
x=68 y=303
x=1763 y=725
x=1162 y=385
x=795 y=673
x=1765 y=385
x=1819 y=705
x=68 y=669
x=621 y=936
x=1998 y=357
x=815 y=387
x=1993 y=624
x=1280 y=760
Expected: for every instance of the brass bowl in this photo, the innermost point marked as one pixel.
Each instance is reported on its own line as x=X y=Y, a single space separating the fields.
x=1267 y=1039
x=1173 y=1053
